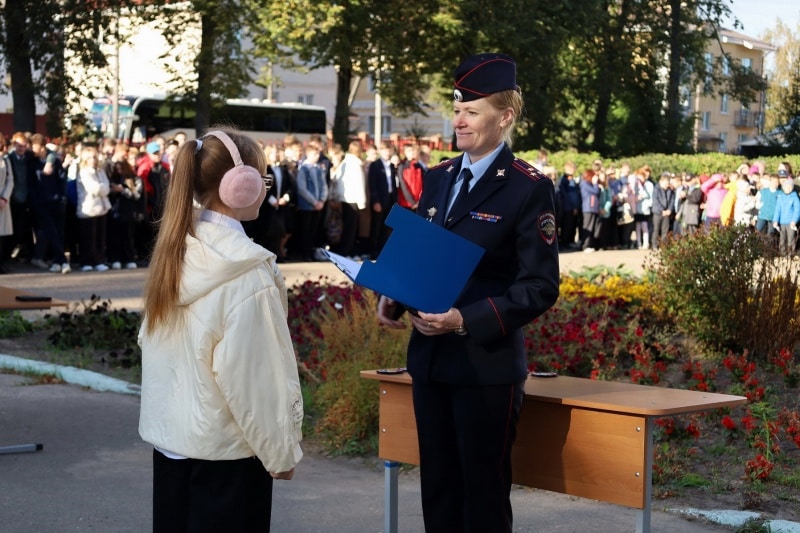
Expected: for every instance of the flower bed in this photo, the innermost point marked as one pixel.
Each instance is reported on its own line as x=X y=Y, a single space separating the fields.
x=608 y=327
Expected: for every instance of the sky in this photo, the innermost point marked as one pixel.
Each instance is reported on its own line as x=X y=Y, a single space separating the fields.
x=759 y=15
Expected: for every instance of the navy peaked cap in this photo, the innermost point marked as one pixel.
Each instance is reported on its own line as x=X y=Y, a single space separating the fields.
x=484 y=74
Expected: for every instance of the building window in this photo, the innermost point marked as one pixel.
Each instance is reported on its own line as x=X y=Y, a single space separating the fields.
x=386 y=124
x=747 y=63
x=686 y=100
x=709 y=66
x=307 y=99
x=742 y=138
x=723 y=106
x=706 y=120
x=723 y=142
x=726 y=66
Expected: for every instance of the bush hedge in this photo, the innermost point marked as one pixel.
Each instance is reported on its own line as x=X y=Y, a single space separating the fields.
x=707 y=163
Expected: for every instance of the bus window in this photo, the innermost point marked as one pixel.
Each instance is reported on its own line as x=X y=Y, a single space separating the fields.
x=146 y=117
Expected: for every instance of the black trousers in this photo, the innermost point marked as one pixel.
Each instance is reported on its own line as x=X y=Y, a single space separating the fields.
x=465 y=437
x=196 y=496
x=347 y=243
x=307 y=224
x=49 y=230
x=23 y=231
x=92 y=240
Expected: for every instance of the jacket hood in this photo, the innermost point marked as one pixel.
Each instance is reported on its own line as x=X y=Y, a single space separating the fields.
x=216 y=255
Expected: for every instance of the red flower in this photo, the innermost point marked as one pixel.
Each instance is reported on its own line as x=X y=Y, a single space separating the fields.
x=729 y=423
x=760 y=467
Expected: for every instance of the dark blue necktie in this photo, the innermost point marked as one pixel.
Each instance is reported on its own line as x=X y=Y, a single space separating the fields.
x=463 y=192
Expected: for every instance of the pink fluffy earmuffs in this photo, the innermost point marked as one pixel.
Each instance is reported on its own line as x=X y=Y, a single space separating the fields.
x=241 y=186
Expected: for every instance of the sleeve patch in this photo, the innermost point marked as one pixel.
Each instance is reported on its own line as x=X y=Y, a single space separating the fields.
x=547 y=227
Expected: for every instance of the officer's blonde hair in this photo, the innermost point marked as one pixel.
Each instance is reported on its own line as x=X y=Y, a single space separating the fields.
x=508 y=100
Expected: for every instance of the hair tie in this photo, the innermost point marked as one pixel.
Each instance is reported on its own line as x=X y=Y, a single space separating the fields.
x=198 y=145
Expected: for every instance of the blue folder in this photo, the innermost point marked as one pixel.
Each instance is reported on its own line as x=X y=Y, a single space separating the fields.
x=422 y=265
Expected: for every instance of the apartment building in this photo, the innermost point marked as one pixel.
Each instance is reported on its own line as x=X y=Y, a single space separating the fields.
x=433 y=128
x=721 y=123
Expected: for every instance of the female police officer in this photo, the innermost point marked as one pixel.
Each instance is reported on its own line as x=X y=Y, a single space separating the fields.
x=468 y=364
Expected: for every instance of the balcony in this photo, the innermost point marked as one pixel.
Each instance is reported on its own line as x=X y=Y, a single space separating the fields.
x=746 y=118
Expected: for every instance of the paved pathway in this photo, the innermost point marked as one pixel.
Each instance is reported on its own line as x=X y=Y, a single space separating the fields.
x=124 y=287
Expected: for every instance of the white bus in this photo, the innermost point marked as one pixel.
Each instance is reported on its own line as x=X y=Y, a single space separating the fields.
x=142 y=117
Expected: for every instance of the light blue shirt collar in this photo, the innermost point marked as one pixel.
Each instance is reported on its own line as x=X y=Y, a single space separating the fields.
x=478 y=169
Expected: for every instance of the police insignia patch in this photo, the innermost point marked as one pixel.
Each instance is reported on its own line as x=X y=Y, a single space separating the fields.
x=547 y=227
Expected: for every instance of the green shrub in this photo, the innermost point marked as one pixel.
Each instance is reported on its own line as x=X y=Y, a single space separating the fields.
x=707 y=163
x=96 y=325
x=351 y=340
x=12 y=324
x=728 y=288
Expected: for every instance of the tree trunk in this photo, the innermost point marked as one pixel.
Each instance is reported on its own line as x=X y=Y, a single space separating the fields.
x=674 y=79
x=19 y=66
x=341 y=119
x=205 y=73
x=604 y=90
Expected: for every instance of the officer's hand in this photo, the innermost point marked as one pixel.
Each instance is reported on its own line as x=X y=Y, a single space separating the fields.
x=386 y=310
x=438 y=323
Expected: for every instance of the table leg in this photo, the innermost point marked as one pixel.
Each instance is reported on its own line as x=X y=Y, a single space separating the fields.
x=390 y=496
x=643 y=515
x=21 y=448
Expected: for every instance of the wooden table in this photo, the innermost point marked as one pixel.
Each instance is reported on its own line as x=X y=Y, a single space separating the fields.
x=576 y=436
x=9 y=302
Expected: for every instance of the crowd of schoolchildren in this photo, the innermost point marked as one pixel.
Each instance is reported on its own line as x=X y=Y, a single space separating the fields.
x=96 y=207
x=618 y=208
x=335 y=198
x=87 y=206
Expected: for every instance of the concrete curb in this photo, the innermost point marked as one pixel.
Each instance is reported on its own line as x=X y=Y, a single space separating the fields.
x=738 y=518
x=70 y=374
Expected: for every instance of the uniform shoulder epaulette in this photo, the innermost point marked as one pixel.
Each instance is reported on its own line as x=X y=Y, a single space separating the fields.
x=529 y=170
x=441 y=164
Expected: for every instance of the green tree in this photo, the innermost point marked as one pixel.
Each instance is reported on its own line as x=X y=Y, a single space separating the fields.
x=533 y=32
x=399 y=44
x=653 y=52
x=783 y=94
x=221 y=67
x=35 y=36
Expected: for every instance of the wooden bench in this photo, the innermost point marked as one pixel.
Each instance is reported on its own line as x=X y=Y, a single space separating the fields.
x=587 y=438
x=9 y=302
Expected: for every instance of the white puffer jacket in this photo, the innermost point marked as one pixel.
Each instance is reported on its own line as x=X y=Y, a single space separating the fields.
x=93 y=189
x=220 y=382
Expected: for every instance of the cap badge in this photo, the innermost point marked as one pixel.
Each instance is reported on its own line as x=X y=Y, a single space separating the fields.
x=457 y=96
